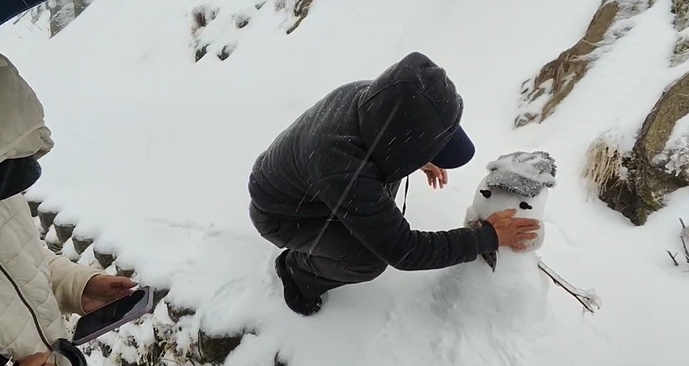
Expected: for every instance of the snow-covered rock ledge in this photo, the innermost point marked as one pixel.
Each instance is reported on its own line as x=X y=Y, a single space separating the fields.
x=542 y=93
x=171 y=335
x=211 y=34
x=635 y=182
x=633 y=166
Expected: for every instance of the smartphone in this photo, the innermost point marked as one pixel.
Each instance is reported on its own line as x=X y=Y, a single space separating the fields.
x=113 y=315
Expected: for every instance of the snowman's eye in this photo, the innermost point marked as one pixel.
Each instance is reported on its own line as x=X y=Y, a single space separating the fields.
x=486 y=193
x=525 y=206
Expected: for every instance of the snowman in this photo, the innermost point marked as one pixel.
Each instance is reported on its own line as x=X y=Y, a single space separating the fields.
x=519 y=181
x=498 y=304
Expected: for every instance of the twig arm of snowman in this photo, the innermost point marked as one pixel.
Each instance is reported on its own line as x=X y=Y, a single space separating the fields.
x=684 y=236
x=588 y=299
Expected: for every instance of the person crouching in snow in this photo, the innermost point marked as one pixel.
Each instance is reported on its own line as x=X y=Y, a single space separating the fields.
x=325 y=188
x=36 y=285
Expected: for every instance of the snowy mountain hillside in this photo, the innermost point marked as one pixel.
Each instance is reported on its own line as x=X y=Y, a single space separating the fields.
x=159 y=108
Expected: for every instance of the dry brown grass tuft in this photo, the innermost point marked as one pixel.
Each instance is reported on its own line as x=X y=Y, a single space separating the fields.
x=603 y=162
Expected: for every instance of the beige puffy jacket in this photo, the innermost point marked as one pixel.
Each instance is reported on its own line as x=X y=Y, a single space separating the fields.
x=36 y=286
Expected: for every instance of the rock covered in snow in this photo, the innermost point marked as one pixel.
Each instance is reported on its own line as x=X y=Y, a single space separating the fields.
x=657 y=164
x=63 y=12
x=675 y=156
x=212 y=35
x=680 y=8
x=542 y=93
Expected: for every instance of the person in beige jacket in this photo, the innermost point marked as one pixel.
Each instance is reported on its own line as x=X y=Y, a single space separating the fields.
x=36 y=285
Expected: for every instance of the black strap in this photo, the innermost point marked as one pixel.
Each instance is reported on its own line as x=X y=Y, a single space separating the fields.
x=4 y=360
x=406 y=191
x=63 y=347
x=69 y=351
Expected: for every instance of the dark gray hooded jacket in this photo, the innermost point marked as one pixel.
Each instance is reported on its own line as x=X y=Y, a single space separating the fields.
x=403 y=118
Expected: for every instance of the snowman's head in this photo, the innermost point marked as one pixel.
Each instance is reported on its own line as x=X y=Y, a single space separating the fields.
x=491 y=199
x=523 y=173
x=517 y=181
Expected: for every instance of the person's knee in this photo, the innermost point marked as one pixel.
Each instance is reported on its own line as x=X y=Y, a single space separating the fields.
x=351 y=269
x=376 y=270
x=270 y=229
x=367 y=267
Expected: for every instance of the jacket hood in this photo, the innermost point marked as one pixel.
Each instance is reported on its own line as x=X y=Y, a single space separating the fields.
x=24 y=138
x=408 y=114
x=23 y=132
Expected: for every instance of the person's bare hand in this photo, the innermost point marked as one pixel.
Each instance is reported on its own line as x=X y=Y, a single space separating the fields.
x=512 y=232
x=37 y=359
x=436 y=176
x=103 y=289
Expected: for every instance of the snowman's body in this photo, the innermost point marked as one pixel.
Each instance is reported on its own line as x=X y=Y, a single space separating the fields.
x=499 y=313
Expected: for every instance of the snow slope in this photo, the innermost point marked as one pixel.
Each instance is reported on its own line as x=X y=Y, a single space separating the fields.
x=153 y=153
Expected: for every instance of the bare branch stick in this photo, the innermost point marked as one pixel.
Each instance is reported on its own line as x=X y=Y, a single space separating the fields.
x=684 y=242
x=672 y=256
x=586 y=298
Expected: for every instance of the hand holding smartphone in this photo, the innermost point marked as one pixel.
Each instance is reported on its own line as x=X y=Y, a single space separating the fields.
x=113 y=315
x=93 y=325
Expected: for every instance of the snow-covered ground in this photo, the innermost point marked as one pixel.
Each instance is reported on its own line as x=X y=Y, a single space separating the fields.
x=153 y=153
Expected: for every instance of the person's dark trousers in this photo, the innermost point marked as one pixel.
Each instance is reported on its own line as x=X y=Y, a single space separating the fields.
x=337 y=259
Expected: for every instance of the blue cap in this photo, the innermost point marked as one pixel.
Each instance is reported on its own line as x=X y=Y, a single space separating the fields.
x=458 y=151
